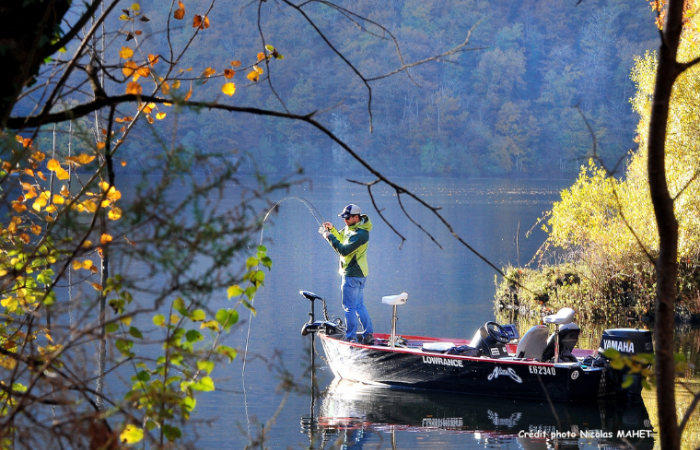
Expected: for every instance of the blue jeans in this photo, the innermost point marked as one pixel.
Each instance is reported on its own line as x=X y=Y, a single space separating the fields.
x=354 y=306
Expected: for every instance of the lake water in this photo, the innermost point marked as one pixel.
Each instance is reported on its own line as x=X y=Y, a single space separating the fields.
x=450 y=295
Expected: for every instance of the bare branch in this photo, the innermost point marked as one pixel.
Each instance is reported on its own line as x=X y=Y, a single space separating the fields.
x=379 y=211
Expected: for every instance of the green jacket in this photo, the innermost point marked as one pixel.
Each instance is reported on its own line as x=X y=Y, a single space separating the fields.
x=351 y=244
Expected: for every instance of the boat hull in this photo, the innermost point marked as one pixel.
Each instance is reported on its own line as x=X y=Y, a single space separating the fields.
x=417 y=369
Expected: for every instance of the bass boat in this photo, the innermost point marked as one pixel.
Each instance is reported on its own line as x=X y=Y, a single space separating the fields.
x=495 y=362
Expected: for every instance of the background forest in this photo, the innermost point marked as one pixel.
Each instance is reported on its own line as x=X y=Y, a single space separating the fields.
x=505 y=109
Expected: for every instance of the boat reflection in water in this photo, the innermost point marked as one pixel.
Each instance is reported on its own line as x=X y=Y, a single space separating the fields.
x=351 y=413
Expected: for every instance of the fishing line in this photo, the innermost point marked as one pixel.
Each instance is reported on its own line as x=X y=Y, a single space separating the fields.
x=319 y=220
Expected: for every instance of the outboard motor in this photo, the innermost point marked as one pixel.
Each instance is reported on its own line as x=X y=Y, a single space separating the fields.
x=491 y=340
x=629 y=342
x=568 y=337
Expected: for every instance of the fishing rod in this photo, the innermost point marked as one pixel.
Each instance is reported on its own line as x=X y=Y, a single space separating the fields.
x=319 y=220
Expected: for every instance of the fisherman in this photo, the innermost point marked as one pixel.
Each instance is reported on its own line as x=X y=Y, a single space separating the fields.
x=351 y=244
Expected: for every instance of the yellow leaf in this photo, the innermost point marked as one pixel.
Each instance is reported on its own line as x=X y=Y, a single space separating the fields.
x=176 y=84
x=38 y=156
x=135 y=7
x=87 y=264
x=87 y=243
x=160 y=116
x=211 y=324
x=258 y=69
x=51 y=209
x=126 y=53
x=29 y=172
x=58 y=200
x=114 y=214
x=126 y=320
x=105 y=238
x=133 y=88
x=150 y=119
x=41 y=175
x=209 y=72
x=53 y=165
x=64 y=191
x=153 y=59
x=123 y=163
x=89 y=205
x=76 y=265
x=253 y=76
x=228 y=89
x=36 y=229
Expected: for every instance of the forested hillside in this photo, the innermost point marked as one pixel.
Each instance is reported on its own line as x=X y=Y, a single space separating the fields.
x=504 y=109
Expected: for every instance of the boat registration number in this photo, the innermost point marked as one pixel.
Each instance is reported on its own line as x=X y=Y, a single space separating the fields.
x=542 y=370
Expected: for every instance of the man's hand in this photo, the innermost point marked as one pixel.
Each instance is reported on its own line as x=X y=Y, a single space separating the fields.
x=328 y=225
x=323 y=232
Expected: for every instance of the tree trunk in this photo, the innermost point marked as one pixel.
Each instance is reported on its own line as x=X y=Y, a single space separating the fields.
x=666 y=264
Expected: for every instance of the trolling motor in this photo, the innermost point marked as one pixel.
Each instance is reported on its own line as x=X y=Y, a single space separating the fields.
x=313 y=326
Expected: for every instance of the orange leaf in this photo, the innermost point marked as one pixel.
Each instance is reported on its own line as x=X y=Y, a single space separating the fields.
x=153 y=59
x=180 y=12
x=105 y=238
x=160 y=116
x=129 y=68
x=25 y=238
x=253 y=76
x=96 y=286
x=261 y=56
x=197 y=22
x=228 y=89
x=149 y=118
x=209 y=72
x=206 y=22
x=19 y=207
x=133 y=88
x=100 y=145
x=41 y=175
x=236 y=63
x=188 y=95
x=126 y=53
x=123 y=163
x=228 y=73
x=38 y=156
x=36 y=229
x=143 y=71
x=138 y=32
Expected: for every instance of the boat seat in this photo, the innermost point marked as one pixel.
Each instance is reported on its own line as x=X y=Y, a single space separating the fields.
x=568 y=337
x=564 y=316
x=533 y=343
x=398 y=299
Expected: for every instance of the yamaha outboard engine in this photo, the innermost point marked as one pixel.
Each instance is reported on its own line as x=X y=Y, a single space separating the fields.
x=568 y=337
x=491 y=340
x=628 y=342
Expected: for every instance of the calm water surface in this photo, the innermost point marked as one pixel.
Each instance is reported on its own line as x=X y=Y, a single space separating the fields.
x=450 y=295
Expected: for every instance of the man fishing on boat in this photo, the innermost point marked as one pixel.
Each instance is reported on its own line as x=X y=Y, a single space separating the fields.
x=351 y=244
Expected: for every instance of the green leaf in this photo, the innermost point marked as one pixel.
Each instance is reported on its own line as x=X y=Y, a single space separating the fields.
x=618 y=364
x=198 y=315
x=131 y=434
x=627 y=382
x=124 y=346
x=270 y=48
x=159 y=320
x=171 y=433
x=234 y=291
x=189 y=403
x=227 y=351
x=227 y=318
x=135 y=333
x=206 y=366
x=194 y=336
x=611 y=353
x=266 y=261
x=250 y=292
x=250 y=262
x=679 y=357
x=143 y=376
x=206 y=384
x=179 y=306
x=259 y=276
